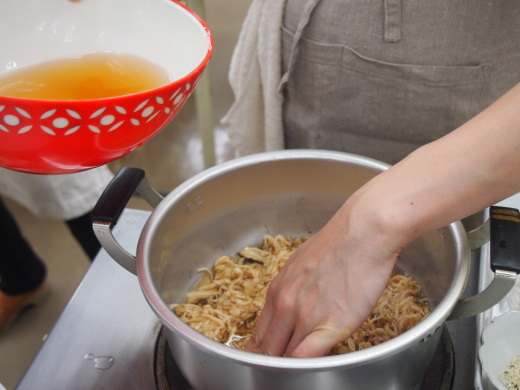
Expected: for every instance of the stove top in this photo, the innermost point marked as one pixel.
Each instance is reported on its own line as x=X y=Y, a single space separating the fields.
x=105 y=338
x=109 y=338
x=439 y=377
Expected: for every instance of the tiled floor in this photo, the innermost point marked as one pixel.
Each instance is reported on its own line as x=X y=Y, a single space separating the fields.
x=168 y=159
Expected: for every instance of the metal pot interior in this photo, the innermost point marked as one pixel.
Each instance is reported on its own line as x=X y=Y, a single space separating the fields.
x=292 y=193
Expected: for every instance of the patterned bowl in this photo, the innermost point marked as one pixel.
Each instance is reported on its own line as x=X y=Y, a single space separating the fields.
x=65 y=136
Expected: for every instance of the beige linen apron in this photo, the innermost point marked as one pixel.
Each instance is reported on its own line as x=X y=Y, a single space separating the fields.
x=382 y=77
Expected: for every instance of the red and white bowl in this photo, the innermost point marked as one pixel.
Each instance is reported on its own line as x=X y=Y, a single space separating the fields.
x=65 y=136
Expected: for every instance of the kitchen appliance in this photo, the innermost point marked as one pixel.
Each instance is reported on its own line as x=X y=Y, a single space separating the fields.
x=233 y=205
x=108 y=337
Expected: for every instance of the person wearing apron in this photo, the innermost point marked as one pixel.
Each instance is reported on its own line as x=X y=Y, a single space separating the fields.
x=432 y=87
x=385 y=77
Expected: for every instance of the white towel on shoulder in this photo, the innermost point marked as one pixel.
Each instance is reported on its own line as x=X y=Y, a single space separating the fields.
x=254 y=121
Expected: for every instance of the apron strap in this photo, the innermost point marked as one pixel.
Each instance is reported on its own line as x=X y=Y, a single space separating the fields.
x=392 y=20
x=304 y=20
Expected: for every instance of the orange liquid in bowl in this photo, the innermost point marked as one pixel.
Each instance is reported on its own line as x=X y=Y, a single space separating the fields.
x=90 y=76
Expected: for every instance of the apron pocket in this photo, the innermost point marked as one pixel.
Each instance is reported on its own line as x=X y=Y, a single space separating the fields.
x=408 y=103
x=338 y=99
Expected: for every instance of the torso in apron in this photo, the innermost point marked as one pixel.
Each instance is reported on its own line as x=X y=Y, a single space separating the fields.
x=381 y=78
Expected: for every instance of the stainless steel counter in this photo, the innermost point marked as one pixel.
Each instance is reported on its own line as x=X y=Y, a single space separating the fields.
x=106 y=336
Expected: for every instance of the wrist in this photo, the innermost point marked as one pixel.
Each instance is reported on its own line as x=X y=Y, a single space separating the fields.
x=375 y=225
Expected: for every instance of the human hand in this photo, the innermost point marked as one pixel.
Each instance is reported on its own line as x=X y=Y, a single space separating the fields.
x=332 y=282
x=325 y=291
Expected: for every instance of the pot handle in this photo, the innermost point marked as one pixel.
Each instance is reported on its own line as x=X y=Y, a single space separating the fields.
x=111 y=204
x=503 y=226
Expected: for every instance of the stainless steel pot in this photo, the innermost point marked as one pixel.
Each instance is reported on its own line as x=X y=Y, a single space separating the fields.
x=292 y=192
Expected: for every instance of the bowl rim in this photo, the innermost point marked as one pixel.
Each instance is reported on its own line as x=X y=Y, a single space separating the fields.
x=180 y=81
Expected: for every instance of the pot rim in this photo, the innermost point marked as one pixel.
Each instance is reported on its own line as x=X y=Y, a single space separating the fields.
x=426 y=328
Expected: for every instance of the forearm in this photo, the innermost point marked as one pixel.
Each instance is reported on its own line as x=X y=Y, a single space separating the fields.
x=343 y=269
x=473 y=167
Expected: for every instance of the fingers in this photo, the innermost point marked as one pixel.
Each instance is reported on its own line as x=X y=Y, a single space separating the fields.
x=319 y=342
x=271 y=335
x=322 y=294
x=295 y=339
x=294 y=309
x=276 y=324
x=309 y=320
x=317 y=330
x=291 y=325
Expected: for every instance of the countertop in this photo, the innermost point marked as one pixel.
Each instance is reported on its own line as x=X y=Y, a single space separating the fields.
x=105 y=337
